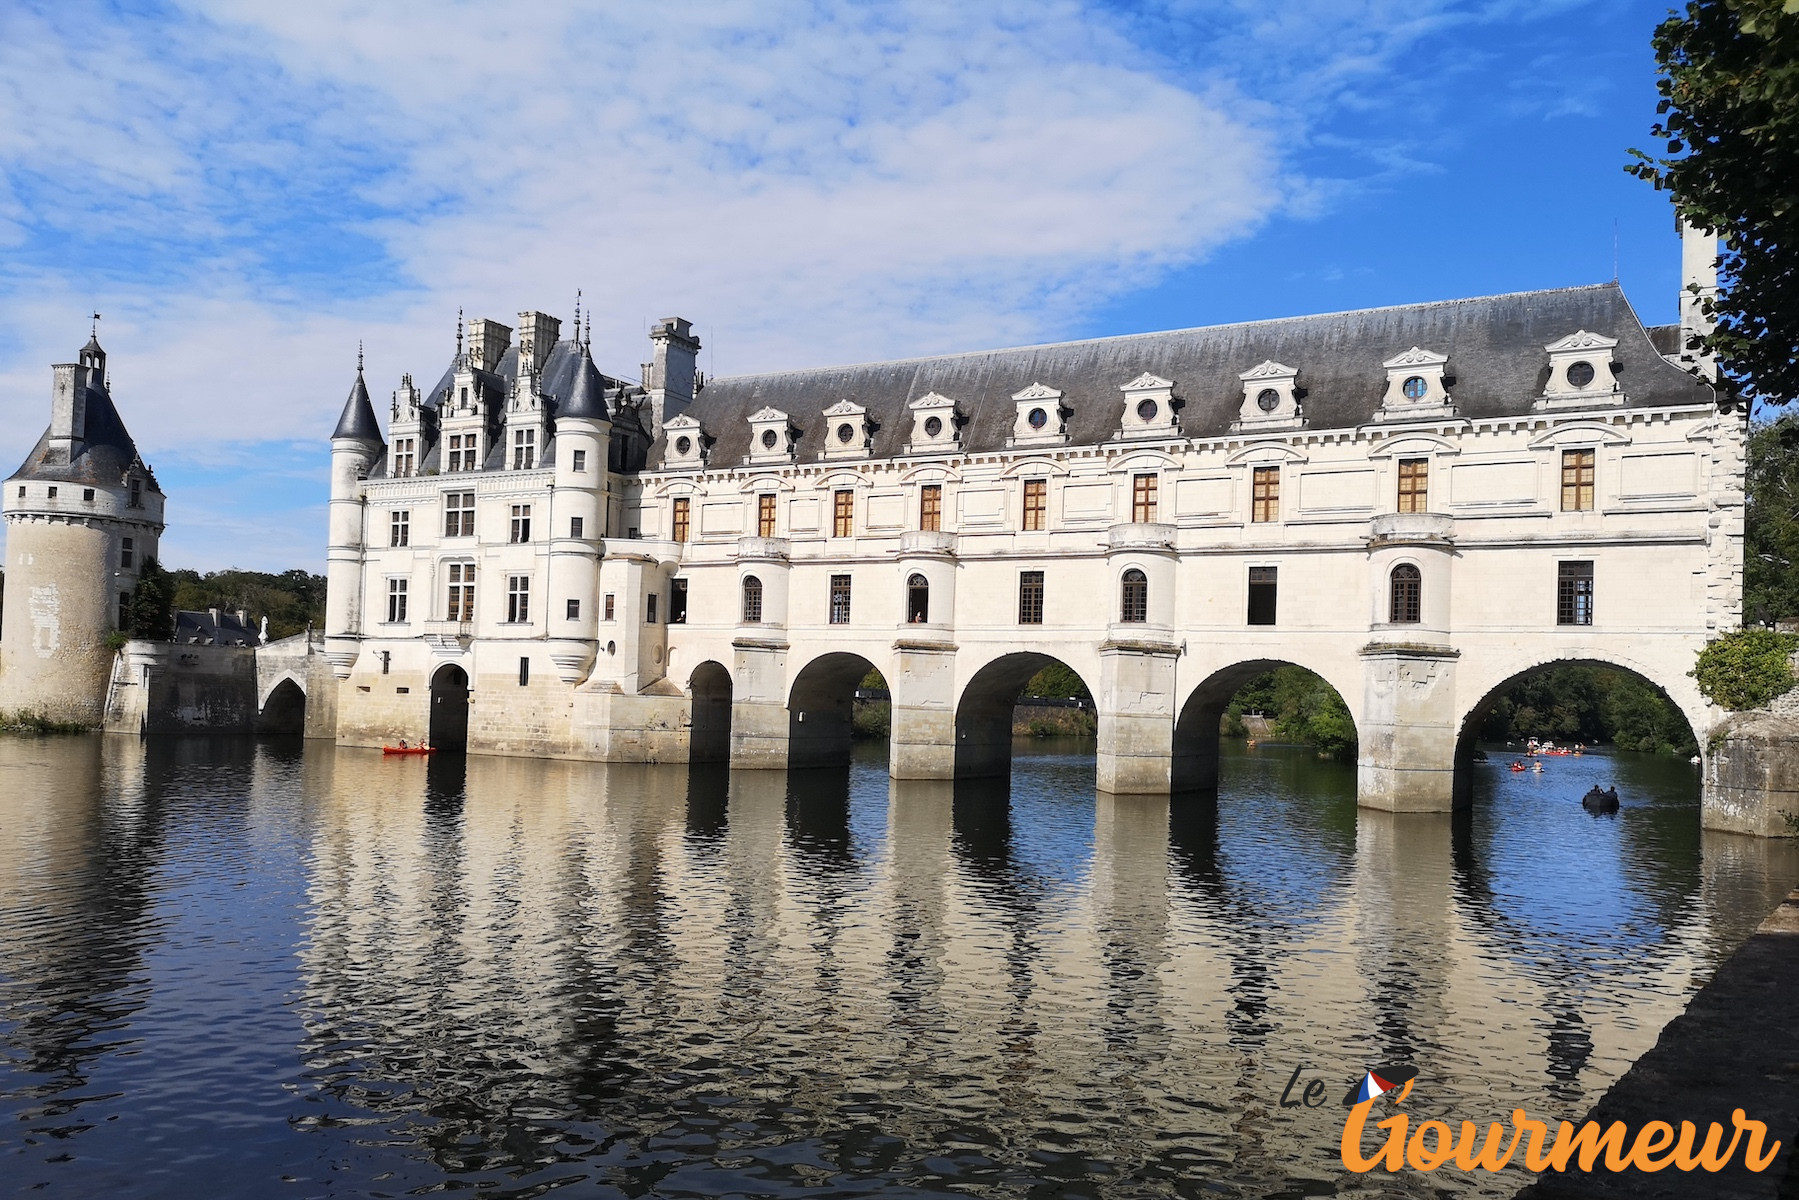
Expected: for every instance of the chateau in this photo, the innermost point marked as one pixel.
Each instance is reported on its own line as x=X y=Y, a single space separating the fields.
x=1419 y=503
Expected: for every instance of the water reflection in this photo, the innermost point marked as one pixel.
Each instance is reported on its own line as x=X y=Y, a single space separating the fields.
x=231 y=964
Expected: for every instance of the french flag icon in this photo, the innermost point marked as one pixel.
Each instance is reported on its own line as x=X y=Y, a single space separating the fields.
x=1378 y=1082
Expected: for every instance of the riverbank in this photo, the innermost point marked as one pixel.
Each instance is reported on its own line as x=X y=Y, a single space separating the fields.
x=1736 y=1046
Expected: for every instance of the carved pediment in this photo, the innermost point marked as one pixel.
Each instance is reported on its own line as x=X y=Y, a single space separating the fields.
x=1581 y=340
x=1038 y=391
x=1268 y=370
x=1415 y=357
x=1147 y=382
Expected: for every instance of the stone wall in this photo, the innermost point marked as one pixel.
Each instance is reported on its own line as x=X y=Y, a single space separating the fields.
x=163 y=687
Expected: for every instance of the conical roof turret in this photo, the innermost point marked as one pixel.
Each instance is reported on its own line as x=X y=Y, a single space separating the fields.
x=358 y=420
x=587 y=396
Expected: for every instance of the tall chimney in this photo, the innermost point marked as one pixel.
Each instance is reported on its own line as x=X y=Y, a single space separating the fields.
x=487 y=341
x=68 y=406
x=1698 y=284
x=674 y=362
x=537 y=334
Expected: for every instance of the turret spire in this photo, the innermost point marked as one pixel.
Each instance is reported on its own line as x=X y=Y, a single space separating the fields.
x=459 y=333
x=358 y=419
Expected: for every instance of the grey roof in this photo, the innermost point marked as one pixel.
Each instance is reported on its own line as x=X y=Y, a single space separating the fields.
x=1497 y=367
x=587 y=393
x=358 y=419
x=103 y=455
x=204 y=629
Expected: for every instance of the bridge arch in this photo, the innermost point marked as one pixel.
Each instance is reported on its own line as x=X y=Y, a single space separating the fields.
x=820 y=708
x=709 y=697
x=984 y=709
x=281 y=709
x=1195 y=760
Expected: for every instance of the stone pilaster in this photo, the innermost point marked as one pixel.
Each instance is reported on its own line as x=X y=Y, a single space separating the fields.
x=1408 y=731
x=1136 y=716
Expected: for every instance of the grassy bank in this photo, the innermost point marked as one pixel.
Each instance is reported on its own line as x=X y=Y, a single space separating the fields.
x=37 y=724
x=873 y=719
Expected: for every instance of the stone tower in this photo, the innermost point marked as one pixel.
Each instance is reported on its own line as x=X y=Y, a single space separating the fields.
x=355 y=446
x=82 y=515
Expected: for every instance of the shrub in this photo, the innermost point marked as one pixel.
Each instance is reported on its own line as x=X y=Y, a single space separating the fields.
x=1746 y=669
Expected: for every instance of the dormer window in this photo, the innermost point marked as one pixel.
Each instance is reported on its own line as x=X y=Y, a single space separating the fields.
x=772 y=436
x=405 y=457
x=1149 y=408
x=1270 y=398
x=524 y=449
x=687 y=444
x=1581 y=373
x=463 y=451
x=1041 y=420
x=137 y=494
x=851 y=433
x=1417 y=387
x=935 y=424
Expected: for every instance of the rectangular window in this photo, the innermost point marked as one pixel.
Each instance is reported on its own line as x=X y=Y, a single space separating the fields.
x=575 y=527
x=87 y=493
x=127 y=552
x=524 y=449
x=574 y=610
x=649 y=608
x=459 y=514
x=524 y=671
x=677 y=602
x=843 y=514
x=1261 y=595
x=405 y=457
x=521 y=523
x=1577 y=480
x=1414 y=483
x=765 y=515
x=930 y=506
x=124 y=603
x=1574 y=593
x=462 y=592
x=1265 y=495
x=683 y=508
x=1030 y=598
x=396 y=602
x=611 y=609
x=579 y=462
x=387 y=663
x=459 y=454
x=518 y=599
x=840 y=599
x=1143 y=498
x=1036 y=504
x=52 y=491
x=137 y=493
x=399 y=527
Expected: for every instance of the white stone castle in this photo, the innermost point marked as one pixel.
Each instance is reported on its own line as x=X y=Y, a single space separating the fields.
x=1419 y=503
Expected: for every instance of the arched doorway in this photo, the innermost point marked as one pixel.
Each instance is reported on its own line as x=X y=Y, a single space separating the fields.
x=449 y=708
x=984 y=712
x=1319 y=707
x=284 y=712
x=709 y=690
x=821 y=710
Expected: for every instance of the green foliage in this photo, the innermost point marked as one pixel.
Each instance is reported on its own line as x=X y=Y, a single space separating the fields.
x=1303 y=707
x=1730 y=99
x=150 y=612
x=37 y=724
x=1746 y=669
x=1771 y=524
x=874 y=681
x=871 y=719
x=1057 y=682
x=291 y=600
x=1589 y=704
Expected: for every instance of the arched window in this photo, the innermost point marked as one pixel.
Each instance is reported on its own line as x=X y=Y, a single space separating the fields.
x=752 y=600
x=1406 y=595
x=918 y=600
x=1134 y=604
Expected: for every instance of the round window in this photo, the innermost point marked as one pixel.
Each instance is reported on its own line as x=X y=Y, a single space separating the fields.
x=612 y=647
x=845 y=432
x=769 y=439
x=1268 y=400
x=933 y=426
x=683 y=445
x=1038 y=418
x=1580 y=374
x=1415 y=388
x=1146 y=410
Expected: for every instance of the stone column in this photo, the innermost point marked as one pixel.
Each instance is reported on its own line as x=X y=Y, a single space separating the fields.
x=759 y=721
x=1136 y=716
x=923 y=742
x=1408 y=732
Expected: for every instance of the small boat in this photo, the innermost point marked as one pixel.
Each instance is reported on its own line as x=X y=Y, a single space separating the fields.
x=1517 y=766
x=1600 y=800
x=409 y=749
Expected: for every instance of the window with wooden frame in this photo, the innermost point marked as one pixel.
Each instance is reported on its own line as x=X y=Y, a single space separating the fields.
x=405 y=457
x=765 y=515
x=1036 y=504
x=1143 y=498
x=930 y=506
x=1030 y=597
x=399 y=527
x=1577 y=480
x=843 y=514
x=1405 y=595
x=518 y=599
x=918 y=600
x=462 y=592
x=464 y=448
x=459 y=514
x=682 y=515
x=521 y=524
x=752 y=600
x=1263 y=582
x=524 y=449
x=840 y=599
x=396 y=602
x=1574 y=593
x=1133 y=606
x=1414 y=485
x=1265 y=494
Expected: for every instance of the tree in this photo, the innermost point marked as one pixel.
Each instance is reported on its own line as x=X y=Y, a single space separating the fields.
x=150 y=612
x=1730 y=105
x=1771 y=524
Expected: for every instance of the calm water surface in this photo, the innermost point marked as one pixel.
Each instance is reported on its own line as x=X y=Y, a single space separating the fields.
x=240 y=969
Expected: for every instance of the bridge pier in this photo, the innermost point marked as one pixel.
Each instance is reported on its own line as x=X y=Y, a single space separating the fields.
x=923 y=713
x=1408 y=732
x=1136 y=717
x=759 y=718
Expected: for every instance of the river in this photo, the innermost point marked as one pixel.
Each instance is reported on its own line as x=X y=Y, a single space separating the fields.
x=234 y=968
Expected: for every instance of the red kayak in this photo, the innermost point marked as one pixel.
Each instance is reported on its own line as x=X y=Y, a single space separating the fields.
x=409 y=749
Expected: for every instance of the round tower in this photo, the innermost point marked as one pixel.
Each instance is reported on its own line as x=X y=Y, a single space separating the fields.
x=583 y=435
x=356 y=444
x=83 y=513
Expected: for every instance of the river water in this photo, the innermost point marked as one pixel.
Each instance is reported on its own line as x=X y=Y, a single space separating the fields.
x=242 y=969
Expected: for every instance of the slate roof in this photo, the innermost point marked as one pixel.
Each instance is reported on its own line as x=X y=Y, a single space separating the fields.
x=1497 y=367
x=201 y=629
x=358 y=419
x=103 y=455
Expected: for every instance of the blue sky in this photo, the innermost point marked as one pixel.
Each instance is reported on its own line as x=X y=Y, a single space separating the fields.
x=245 y=190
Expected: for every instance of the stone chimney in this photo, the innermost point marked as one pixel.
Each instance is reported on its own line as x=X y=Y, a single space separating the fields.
x=673 y=366
x=537 y=334
x=1698 y=284
x=487 y=341
x=68 y=407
